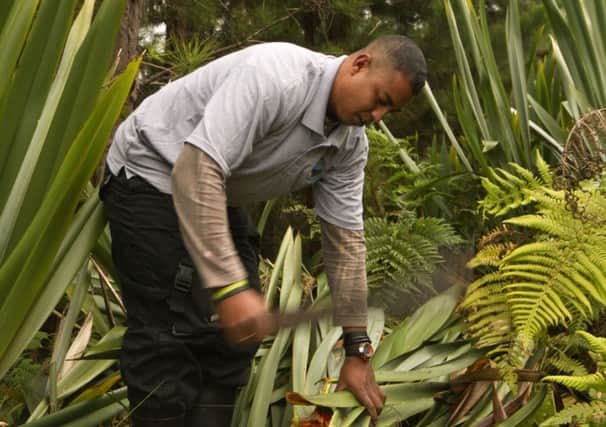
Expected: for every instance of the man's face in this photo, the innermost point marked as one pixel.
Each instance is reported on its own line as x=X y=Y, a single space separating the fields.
x=364 y=93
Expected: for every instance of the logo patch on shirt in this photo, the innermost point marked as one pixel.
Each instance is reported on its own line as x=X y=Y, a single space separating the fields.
x=317 y=171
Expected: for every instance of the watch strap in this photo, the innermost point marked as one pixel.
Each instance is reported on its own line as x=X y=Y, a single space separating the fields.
x=350 y=338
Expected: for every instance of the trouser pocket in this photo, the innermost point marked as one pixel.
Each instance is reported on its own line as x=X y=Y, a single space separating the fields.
x=190 y=304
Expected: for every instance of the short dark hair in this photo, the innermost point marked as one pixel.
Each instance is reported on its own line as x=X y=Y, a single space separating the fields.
x=404 y=56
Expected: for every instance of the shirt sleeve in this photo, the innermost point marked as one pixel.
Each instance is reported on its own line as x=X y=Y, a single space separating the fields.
x=345 y=265
x=338 y=195
x=240 y=111
x=199 y=198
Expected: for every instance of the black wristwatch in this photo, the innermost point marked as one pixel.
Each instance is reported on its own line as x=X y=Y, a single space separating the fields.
x=358 y=344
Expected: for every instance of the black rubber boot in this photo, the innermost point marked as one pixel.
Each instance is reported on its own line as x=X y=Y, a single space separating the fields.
x=157 y=422
x=214 y=408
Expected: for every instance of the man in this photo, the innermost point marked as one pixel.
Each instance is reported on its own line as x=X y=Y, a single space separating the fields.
x=250 y=126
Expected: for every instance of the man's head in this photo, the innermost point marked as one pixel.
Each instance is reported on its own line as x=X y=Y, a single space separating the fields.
x=377 y=79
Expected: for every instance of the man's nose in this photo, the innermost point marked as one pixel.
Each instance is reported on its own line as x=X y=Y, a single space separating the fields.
x=378 y=114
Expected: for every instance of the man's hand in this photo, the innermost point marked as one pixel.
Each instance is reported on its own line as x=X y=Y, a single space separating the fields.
x=244 y=317
x=358 y=377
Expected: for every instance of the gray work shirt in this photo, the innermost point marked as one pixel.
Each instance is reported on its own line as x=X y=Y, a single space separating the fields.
x=259 y=113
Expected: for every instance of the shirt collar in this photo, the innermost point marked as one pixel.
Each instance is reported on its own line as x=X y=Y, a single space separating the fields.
x=316 y=111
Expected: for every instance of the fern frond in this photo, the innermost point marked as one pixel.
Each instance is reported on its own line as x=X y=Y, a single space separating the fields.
x=581 y=382
x=558 y=225
x=558 y=279
x=404 y=254
x=507 y=192
x=501 y=233
x=487 y=286
x=598 y=344
x=491 y=255
x=593 y=412
x=528 y=178
x=543 y=169
x=562 y=362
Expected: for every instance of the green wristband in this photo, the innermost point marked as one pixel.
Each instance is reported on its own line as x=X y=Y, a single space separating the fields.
x=229 y=290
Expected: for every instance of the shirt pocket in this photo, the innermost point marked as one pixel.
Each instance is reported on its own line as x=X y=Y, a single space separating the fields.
x=308 y=168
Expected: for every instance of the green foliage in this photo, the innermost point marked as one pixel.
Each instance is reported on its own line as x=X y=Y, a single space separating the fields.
x=498 y=118
x=507 y=192
x=562 y=362
x=383 y=174
x=403 y=253
x=14 y=389
x=413 y=360
x=585 y=381
x=185 y=56
x=592 y=412
x=438 y=186
x=558 y=277
x=64 y=101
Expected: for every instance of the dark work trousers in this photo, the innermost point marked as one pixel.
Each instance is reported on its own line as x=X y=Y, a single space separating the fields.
x=174 y=358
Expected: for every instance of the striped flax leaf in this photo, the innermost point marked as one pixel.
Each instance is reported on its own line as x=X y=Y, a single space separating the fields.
x=12 y=37
x=442 y=118
x=425 y=322
x=5 y=9
x=85 y=413
x=276 y=273
x=317 y=365
x=13 y=211
x=435 y=372
x=268 y=366
x=300 y=357
x=60 y=347
x=515 y=53
x=579 y=30
x=79 y=375
x=352 y=416
x=468 y=84
x=25 y=274
x=83 y=232
x=83 y=89
x=30 y=86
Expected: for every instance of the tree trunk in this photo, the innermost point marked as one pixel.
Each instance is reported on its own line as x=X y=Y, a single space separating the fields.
x=128 y=43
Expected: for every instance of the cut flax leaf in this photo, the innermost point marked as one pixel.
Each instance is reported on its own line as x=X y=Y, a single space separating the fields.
x=424 y=323
x=290 y=299
x=78 y=346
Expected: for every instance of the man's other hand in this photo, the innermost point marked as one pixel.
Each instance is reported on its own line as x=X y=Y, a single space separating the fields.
x=244 y=317
x=358 y=377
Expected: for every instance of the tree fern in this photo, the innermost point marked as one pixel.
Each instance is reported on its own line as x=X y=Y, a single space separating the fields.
x=557 y=278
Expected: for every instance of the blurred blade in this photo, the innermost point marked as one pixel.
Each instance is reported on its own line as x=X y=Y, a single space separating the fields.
x=291 y=319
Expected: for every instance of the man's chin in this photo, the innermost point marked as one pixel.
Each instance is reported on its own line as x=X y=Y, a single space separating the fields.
x=352 y=121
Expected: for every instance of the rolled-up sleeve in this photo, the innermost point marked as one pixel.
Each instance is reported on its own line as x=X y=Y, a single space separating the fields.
x=241 y=111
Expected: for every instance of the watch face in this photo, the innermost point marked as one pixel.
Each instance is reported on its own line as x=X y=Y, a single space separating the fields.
x=362 y=350
x=366 y=351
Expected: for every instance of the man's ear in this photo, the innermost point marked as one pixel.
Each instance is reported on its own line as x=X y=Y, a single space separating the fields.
x=360 y=62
